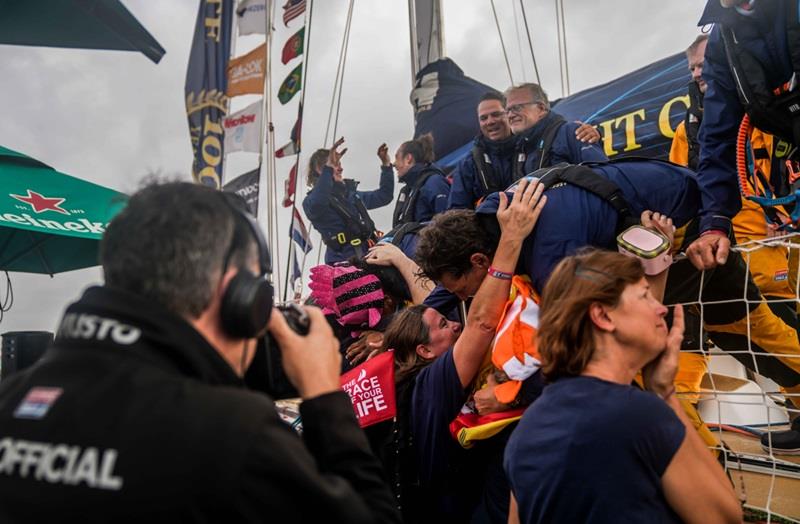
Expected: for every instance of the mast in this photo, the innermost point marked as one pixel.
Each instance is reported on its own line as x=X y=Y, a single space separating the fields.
x=426 y=33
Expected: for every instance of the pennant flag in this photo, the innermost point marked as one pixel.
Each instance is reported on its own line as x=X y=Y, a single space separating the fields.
x=292 y=84
x=243 y=129
x=289 y=186
x=292 y=9
x=251 y=17
x=246 y=186
x=205 y=88
x=246 y=73
x=294 y=46
x=300 y=233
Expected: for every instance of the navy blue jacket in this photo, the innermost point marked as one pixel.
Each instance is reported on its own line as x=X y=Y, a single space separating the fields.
x=328 y=221
x=574 y=218
x=467 y=185
x=432 y=197
x=764 y=35
x=565 y=147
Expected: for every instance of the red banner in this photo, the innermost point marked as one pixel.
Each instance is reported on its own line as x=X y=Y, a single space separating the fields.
x=371 y=389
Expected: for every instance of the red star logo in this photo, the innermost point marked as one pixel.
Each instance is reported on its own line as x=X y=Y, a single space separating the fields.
x=41 y=203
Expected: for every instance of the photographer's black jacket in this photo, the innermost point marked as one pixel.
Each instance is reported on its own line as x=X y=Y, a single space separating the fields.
x=133 y=416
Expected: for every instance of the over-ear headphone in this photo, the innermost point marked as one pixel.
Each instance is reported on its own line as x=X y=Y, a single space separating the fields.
x=247 y=302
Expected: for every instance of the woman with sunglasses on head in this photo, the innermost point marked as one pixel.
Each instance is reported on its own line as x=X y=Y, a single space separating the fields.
x=594 y=448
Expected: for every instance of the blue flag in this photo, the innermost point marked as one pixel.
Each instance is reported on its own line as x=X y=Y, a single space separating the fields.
x=206 y=83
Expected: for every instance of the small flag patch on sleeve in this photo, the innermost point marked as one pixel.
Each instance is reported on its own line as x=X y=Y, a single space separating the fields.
x=37 y=402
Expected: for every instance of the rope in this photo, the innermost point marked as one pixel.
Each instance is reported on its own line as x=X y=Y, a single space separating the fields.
x=338 y=80
x=307 y=51
x=8 y=301
x=519 y=43
x=502 y=42
x=530 y=42
x=344 y=63
x=562 y=31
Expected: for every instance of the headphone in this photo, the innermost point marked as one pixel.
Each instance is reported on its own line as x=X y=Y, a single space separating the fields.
x=247 y=302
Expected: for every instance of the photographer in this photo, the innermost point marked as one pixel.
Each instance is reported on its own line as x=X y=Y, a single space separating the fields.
x=138 y=412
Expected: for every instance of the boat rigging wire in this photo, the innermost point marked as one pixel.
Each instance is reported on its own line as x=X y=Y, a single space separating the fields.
x=502 y=42
x=530 y=42
x=307 y=51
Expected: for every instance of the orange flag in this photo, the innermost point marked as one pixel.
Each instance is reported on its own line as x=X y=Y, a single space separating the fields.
x=246 y=73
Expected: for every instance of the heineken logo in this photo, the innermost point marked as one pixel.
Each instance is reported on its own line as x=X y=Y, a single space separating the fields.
x=41 y=203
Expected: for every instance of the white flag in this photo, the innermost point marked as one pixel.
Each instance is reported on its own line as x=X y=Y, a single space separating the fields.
x=243 y=129
x=251 y=16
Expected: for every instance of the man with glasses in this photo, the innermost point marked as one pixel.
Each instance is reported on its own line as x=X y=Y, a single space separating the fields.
x=544 y=138
x=489 y=167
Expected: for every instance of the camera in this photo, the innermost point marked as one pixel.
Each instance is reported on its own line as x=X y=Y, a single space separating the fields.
x=266 y=372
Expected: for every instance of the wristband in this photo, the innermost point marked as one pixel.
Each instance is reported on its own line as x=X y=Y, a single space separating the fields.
x=714 y=232
x=502 y=275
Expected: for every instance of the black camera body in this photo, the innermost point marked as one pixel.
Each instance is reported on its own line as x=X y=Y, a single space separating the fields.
x=266 y=372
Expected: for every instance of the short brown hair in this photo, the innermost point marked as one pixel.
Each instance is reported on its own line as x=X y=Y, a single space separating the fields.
x=697 y=41
x=405 y=332
x=447 y=243
x=566 y=333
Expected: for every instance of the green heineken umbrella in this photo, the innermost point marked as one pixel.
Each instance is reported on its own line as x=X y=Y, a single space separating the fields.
x=50 y=222
x=85 y=24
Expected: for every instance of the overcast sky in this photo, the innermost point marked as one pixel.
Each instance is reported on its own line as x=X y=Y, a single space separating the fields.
x=113 y=117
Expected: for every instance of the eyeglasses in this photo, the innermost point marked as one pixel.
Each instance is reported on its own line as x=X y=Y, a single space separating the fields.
x=493 y=114
x=517 y=108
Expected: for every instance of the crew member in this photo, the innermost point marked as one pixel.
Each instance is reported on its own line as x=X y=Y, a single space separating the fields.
x=138 y=412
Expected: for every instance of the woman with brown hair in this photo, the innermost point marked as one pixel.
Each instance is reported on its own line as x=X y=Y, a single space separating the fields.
x=425 y=190
x=337 y=209
x=434 y=370
x=594 y=448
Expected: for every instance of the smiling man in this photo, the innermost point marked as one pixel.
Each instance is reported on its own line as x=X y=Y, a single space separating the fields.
x=544 y=138
x=493 y=163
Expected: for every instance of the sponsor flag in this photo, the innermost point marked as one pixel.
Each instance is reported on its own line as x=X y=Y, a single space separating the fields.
x=246 y=73
x=294 y=46
x=292 y=84
x=246 y=186
x=251 y=17
x=289 y=187
x=299 y=233
x=206 y=84
x=292 y=9
x=243 y=129
x=370 y=387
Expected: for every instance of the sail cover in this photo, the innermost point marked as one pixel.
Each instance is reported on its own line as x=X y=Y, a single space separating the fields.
x=636 y=114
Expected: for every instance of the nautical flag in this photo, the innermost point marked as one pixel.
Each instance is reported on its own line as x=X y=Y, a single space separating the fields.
x=246 y=73
x=243 y=129
x=206 y=83
x=296 y=273
x=294 y=46
x=300 y=233
x=287 y=150
x=251 y=17
x=289 y=187
x=293 y=147
x=297 y=128
x=292 y=84
x=246 y=186
x=292 y=9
